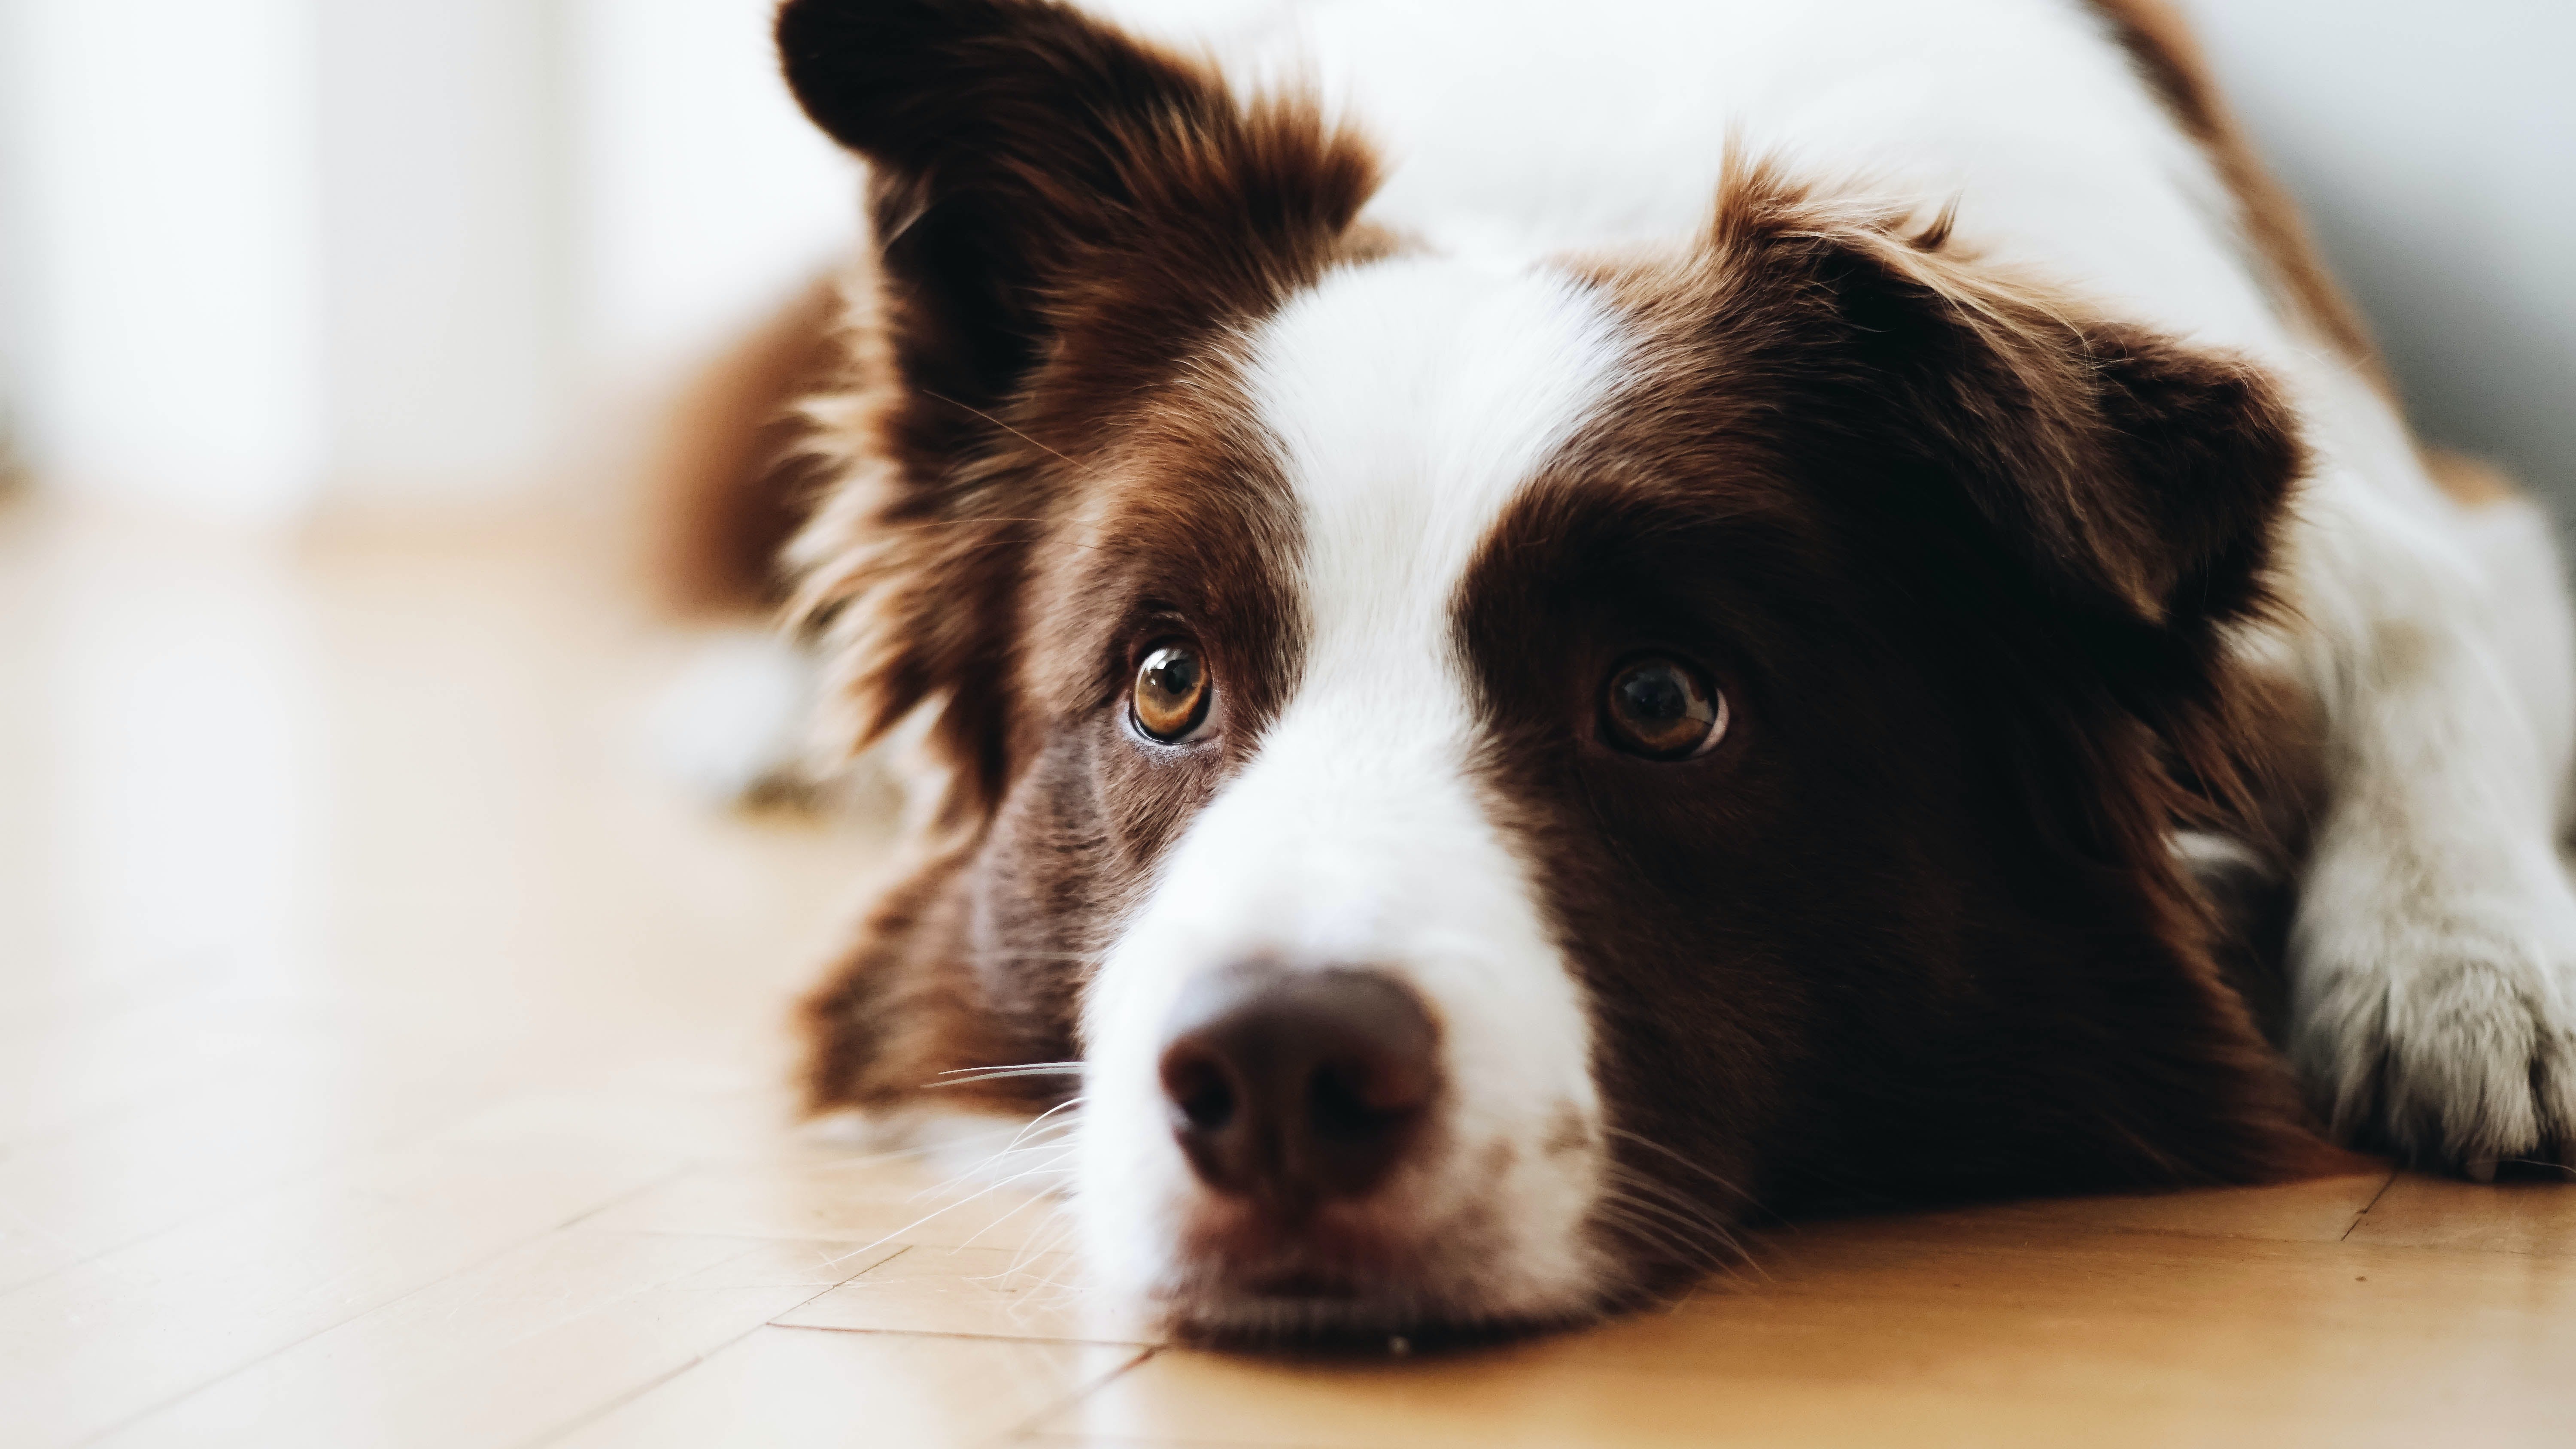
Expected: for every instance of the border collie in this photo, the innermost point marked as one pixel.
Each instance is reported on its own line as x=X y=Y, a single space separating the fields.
x=1528 y=629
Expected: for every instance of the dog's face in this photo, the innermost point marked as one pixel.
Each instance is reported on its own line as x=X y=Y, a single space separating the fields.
x=1497 y=771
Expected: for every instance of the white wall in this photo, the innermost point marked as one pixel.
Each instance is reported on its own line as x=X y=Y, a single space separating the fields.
x=15 y=292
x=163 y=241
x=443 y=188
x=704 y=200
x=267 y=254
x=2434 y=146
x=704 y=192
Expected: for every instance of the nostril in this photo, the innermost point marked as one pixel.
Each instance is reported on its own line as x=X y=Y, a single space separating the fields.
x=1356 y=1101
x=1199 y=1089
x=1293 y=1086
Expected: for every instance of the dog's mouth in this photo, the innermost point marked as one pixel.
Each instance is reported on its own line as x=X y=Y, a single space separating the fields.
x=1300 y=1308
x=1308 y=1311
x=1351 y=1278
x=1313 y=1179
x=1247 y=1265
x=1336 y=1328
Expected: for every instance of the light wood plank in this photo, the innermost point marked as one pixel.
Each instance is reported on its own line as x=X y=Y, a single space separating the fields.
x=225 y=1130
x=92 y=1346
x=818 y=1388
x=985 y=1292
x=2322 y=1210
x=476 y=1131
x=863 y=1199
x=1996 y=1335
x=2508 y=1217
x=532 y=1341
x=1234 y=1405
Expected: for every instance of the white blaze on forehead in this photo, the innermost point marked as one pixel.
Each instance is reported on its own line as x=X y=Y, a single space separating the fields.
x=1411 y=401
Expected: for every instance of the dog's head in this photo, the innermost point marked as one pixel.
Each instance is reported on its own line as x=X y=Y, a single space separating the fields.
x=1498 y=770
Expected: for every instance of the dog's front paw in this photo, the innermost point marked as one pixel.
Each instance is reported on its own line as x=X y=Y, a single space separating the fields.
x=2447 y=1036
x=731 y=726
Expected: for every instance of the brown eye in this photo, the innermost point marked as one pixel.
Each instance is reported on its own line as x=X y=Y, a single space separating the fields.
x=1663 y=709
x=1171 y=695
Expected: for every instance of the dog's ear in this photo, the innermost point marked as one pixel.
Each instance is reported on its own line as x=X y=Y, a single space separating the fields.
x=2140 y=479
x=2135 y=481
x=2207 y=453
x=1062 y=214
x=2061 y=516
x=1032 y=169
x=2076 y=510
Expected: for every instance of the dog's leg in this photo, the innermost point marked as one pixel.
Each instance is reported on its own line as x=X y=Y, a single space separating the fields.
x=2434 y=948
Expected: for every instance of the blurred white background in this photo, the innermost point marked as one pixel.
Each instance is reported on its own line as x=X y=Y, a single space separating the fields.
x=258 y=256
x=263 y=256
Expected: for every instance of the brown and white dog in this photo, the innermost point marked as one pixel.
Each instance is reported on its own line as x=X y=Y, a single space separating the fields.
x=1536 y=627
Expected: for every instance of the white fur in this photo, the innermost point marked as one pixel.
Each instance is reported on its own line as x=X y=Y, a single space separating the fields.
x=732 y=725
x=1411 y=400
x=1522 y=127
x=737 y=727
x=2434 y=948
x=2436 y=941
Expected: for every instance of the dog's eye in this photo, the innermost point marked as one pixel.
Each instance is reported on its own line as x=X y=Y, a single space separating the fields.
x=1663 y=709
x=1171 y=694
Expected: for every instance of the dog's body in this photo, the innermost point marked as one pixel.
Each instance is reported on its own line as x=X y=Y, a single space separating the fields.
x=1657 y=624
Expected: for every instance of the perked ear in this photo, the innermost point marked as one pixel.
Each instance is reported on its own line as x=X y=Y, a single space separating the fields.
x=1029 y=163
x=2137 y=480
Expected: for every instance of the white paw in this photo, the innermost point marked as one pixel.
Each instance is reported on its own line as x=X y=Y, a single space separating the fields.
x=731 y=728
x=2441 y=1025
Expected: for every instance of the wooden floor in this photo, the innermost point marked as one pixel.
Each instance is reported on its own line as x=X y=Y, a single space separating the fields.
x=388 y=1057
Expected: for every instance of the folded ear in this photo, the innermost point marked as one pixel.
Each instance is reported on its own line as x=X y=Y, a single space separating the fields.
x=1063 y=215
x=1034 y=172
x=2136 y=480
x=2151 y=477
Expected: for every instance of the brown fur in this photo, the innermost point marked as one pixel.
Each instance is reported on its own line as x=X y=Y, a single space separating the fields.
x=733 y=488
x=2252 y=894
x=898 y=1014
x=968 y=556
x=734 y=480
x=1965 y=559
x=1914 y=928
x=1062 y=214
x=1187 y=532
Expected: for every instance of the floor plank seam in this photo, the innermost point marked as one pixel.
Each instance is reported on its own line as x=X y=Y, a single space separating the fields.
x=1029 y=1426
x=392 y=1140
x=674 y=1175
x=380 y=1306
x=579 y=1422
x=2348 y=1228
x=302 y=1197
x=964 y=1334
x=854 y=1275
x=615 y=1402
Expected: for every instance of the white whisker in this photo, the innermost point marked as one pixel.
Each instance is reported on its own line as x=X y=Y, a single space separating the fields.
x=962 y=1076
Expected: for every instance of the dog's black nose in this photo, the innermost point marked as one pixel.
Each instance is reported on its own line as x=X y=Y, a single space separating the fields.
x=1293 y=1087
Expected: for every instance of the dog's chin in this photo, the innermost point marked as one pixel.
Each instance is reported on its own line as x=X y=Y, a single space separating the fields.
x=1343 y=1282
x=1306 y=1312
